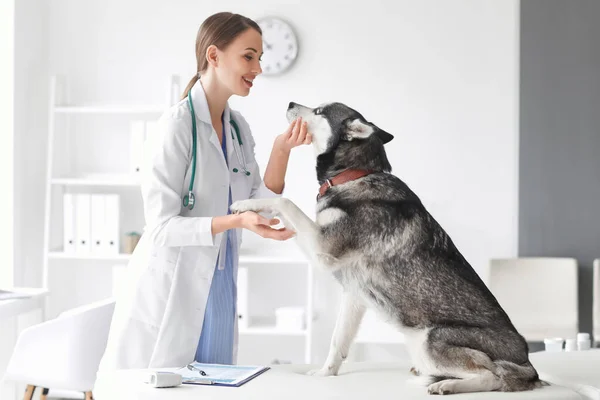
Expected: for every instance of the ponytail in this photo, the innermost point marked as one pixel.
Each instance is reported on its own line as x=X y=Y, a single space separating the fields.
x=189 y=86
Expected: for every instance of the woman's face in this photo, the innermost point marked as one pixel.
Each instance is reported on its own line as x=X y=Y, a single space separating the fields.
x=239 y=63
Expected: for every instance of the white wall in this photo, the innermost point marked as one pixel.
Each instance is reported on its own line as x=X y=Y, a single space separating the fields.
x=441 y=76
x=31 y=117
x=7 y=71
x=23 y=71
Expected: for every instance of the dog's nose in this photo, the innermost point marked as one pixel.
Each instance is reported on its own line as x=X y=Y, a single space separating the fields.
x=291 y=105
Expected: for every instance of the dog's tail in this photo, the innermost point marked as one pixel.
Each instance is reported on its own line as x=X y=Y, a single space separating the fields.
x=517 y=378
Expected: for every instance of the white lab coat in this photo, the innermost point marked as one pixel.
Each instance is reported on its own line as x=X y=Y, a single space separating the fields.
x=159 y=314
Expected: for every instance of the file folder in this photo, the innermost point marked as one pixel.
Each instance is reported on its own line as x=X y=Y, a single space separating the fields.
x=69 y=239
x=82 y=223
x=111 y=227
x=98 y=220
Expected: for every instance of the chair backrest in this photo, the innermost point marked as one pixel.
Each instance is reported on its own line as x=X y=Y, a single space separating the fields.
x=538 y=294
x=89 y=325
x=69 y=347
x=596 y=300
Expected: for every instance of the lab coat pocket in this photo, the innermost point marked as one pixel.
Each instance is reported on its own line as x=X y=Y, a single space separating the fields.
x=153 y=291
x=167 y=253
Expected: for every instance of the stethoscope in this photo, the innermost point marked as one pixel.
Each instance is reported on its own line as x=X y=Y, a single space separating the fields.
x=189 y=199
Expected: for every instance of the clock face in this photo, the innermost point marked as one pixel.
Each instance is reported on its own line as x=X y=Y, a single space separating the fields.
x=280 y=47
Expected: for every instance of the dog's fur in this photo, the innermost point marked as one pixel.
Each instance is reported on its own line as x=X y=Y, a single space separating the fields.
x=389 y=253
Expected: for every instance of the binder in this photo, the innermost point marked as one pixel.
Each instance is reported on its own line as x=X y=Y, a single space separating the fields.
x=98 y=220
x=82 y=223
x=111 y=226
x=68 y=223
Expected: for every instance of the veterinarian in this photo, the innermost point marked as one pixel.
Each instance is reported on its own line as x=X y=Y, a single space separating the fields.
x=179 y=301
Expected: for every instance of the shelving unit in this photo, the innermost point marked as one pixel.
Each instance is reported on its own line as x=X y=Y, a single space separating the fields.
x=62 y=177
x=108 y=109
x=97 y=180
x=59 y=254
x=61 y=180
x=265 y=326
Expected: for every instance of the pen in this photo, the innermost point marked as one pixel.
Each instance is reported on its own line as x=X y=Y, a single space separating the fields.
x=192 y=368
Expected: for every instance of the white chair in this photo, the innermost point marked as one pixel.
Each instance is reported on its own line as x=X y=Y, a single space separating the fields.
x=63 y=353
x=596 y=300
x=538 y=294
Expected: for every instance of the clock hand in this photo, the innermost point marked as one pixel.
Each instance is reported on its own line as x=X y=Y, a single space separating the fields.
x=267 y=44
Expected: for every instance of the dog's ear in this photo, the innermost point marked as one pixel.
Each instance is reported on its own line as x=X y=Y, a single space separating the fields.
x=359 y=129
x=384 y=136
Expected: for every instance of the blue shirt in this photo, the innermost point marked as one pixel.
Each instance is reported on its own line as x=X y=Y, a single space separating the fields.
x=215 y=345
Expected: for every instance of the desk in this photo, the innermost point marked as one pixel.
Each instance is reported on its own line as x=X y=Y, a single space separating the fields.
x=11 y=325
x=577 y=370
x=15 y=307
x=369 y=381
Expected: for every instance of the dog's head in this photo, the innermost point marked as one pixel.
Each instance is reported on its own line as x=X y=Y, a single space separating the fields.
x=334 y=123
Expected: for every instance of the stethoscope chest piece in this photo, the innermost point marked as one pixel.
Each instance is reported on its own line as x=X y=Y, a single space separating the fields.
x=189 y=200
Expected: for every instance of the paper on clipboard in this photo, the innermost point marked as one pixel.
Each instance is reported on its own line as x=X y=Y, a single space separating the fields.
x=219 y=374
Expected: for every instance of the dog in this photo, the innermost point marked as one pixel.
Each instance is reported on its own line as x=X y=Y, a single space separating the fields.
x=387 y=252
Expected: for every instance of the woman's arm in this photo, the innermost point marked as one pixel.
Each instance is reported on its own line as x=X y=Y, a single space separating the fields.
x=294 y=136
x=251 y=221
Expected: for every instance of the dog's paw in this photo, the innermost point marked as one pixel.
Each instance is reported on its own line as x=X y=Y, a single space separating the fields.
x=414 y=371
x=443 y=387
x=321 y=372
x=240 y=206
x=255 y=205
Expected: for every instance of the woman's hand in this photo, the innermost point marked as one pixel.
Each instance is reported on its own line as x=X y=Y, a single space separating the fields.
x=295 y=135
x=262 y=226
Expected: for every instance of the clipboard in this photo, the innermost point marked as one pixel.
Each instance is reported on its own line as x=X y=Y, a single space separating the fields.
x=219 y=374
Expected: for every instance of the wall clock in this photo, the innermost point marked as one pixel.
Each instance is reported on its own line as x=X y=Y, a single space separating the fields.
x=280 y=45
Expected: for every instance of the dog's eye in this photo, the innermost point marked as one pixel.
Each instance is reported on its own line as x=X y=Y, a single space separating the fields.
x=317 y=111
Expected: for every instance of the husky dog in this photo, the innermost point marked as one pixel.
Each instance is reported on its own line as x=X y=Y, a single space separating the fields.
x=387 y=252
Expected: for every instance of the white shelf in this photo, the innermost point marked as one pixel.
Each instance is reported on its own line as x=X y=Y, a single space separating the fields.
x=98 y=180
x=246 y=259
x=266 y=326
x=251 y=259
x=271 y=330
x=110 y=109
x=58 y=254
x=286 y=254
